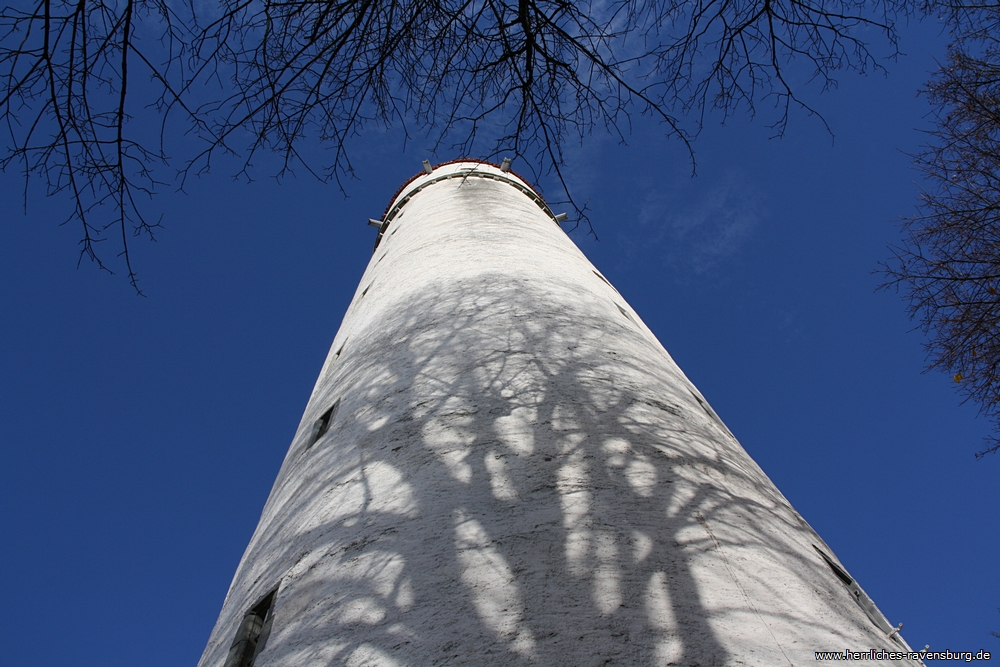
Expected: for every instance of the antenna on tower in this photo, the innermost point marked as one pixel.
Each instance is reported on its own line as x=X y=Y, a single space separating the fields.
x=427 y=166
x=505 y=166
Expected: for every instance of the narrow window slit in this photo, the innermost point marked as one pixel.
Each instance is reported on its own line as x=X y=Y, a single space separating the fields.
x=874 y=614
x=322 y=425
x=837 y=570
x=252 y=633
x=627 y=314
x=598 y=274
x=708 y=410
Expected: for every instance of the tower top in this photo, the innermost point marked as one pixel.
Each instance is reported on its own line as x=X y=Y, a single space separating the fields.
x=462 y=168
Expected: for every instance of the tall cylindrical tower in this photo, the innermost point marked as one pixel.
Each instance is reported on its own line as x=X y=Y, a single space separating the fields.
x=501 y=465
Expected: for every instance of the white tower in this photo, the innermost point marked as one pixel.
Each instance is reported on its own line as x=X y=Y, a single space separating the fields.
x=501 y=465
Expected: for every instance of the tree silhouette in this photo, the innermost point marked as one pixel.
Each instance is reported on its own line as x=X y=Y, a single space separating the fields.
x=948 y=266
x=477 y=77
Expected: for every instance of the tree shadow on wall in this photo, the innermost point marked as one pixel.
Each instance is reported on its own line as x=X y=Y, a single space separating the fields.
x=515 y=481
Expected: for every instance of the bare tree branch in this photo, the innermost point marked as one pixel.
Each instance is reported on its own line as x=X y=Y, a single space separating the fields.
x=517 y=78
x=948 y=266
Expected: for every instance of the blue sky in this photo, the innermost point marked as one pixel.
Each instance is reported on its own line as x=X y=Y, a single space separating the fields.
x=141 y=435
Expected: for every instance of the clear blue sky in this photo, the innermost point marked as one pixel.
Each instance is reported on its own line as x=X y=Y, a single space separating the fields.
x=140 y=437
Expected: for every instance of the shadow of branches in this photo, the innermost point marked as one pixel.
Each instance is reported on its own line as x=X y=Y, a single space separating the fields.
x=513 y=479
x=519 y=474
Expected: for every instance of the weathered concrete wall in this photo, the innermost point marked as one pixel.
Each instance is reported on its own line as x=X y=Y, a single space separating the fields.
x=519 y=474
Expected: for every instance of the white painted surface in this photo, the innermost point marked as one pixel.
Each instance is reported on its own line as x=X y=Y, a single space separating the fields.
x=519 y=474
